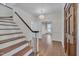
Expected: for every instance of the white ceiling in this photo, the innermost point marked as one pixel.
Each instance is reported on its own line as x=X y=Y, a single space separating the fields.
x=35 y=8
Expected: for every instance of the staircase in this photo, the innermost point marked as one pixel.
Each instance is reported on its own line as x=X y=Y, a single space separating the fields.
x=13 y=42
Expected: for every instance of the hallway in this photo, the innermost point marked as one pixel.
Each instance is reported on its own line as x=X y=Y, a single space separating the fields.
x=44 y=29
x=50 y=49
x=28 y=23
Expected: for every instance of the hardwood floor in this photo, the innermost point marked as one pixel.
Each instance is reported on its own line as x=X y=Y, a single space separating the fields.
x=53 y=49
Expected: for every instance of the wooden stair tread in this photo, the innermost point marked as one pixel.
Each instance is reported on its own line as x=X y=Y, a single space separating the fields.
x=7 y=25
x=8 y=22
x=10 y=19
x=7 y=17
x=23 y=51
x=8 y=49
x=11 y=39
x=11 y=33
x=10 y=29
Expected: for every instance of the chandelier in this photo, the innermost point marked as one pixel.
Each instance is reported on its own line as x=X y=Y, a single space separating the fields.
x=42 y=16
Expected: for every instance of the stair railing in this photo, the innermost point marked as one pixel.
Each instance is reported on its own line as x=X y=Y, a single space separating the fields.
x=35 y=49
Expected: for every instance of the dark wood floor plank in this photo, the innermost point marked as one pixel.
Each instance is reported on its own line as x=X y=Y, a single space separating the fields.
x=54 y=48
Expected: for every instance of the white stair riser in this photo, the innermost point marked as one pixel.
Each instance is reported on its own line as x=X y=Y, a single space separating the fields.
x=7 y=32
x=7 y=23
x=6 y=20
x=1 y=27
x=10 y=36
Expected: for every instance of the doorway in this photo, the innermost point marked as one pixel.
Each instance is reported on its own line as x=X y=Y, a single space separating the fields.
x=47 y=29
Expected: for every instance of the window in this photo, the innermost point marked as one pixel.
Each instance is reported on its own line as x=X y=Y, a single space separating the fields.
x=49 y=27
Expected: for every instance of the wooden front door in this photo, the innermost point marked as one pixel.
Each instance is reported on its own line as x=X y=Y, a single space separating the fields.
x=70 y=28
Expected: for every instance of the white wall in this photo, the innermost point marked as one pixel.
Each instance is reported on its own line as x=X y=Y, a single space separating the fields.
x=4 y=11
x=57 y=21
x=62 y=25
x=56 y=28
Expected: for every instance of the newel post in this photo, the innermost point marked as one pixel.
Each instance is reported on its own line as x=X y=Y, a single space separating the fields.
x=35 y=43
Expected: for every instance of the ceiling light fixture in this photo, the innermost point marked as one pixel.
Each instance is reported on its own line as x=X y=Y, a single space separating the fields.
x=42 y=16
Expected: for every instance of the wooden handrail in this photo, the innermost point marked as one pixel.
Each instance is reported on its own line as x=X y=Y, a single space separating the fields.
x=6 y=6
x=25 y=23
